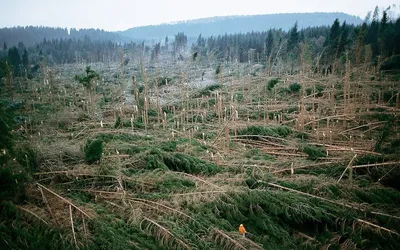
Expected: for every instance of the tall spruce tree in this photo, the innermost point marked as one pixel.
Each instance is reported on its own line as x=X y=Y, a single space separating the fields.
x=333 y=39
x=293 y=40
x=25 y=60
x=269 y=43
x=343 y=40
x=14 y=60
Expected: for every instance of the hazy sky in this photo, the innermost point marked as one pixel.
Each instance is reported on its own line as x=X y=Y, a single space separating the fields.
x=123 y=14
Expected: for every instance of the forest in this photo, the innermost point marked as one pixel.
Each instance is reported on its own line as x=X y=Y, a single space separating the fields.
x=113 y=143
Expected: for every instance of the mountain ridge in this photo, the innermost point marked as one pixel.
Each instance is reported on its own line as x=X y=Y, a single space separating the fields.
x=238 y=24
x=208 y=26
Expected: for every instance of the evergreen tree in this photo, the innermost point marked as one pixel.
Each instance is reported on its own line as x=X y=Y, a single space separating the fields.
x=292 y=46
x=269 y=43
x=333 y=39
x=25 y=60
x=343 y=40
x=5 y=46
x=384 y=34
x=372 y=33
x=14 y=60
x=360 y=33
x=293 y=40
x=166 y=43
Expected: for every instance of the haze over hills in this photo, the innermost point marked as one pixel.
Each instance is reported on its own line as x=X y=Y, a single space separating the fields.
x=31 y=35
x=238 y=24
x=192 y=28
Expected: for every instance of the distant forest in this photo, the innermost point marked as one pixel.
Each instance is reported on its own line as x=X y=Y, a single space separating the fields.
x=31 y=35
x=375 y=42
x=238 y=24
x=207 y=27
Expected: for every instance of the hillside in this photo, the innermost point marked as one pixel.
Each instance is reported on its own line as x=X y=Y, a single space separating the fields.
x=31 y=35
x=193 y=28
x=238 y=24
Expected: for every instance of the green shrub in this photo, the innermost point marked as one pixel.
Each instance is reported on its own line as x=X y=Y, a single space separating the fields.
x=294 y=88
x=93 y=150
x=271 y=84
x=239 y=96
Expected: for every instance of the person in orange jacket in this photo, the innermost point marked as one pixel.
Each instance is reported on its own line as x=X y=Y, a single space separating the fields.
x=242 y=230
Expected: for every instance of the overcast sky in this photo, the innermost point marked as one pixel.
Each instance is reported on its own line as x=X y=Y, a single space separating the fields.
x=115 y=15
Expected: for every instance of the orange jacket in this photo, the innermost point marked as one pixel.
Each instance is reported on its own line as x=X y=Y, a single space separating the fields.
x=242 y=230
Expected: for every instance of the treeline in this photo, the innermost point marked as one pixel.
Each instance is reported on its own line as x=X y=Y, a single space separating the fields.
x=215 y=26
x=31 y=35
x=25 y=60
x=375 y=41
x=256 y=46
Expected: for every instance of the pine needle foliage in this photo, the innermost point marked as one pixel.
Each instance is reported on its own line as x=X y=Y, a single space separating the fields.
x=93 y=150
x=313 y=152
x=163 y=235
x=17 y=233
x=293 y=88
x=274 y=131
x=271 y=84
x=6 y=138
x=206 y=91
x=87 y=79
x=125 y=137
x=180 y=162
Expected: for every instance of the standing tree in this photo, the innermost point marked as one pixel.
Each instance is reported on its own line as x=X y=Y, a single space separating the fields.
x=343 y=40
x=384 y=34
x=333 y=40
x=360 y=33
x=88 y=82
x=293 y=46
x=166 y=43
x=269 y=43
x=25 y=60
x=372 y=33
x=14 y=60
x=180 y=43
